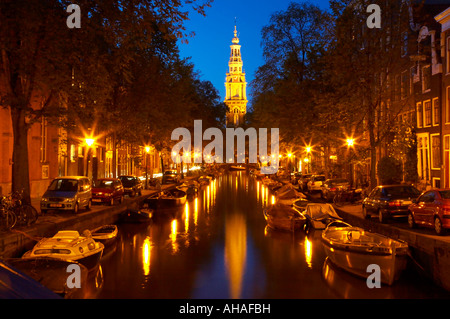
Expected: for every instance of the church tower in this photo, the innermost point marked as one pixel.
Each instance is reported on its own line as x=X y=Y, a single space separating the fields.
x=236 y=87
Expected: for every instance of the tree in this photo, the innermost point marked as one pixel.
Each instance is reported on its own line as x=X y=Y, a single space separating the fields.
x=284 y=87
x=363 y=66
x=43 y=63
x=389 y=170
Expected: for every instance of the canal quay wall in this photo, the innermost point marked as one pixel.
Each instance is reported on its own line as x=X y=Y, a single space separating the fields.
x=430 y=254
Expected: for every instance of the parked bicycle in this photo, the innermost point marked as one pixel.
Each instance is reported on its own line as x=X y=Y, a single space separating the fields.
x=13 y=204
x=348 y=197
x=7 y=217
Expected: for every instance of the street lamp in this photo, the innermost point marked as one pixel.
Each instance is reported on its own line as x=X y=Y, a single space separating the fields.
x=89 y=143
x=350 y=144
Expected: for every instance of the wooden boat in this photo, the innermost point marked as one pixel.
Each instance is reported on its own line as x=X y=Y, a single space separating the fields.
x=354 y=249
x=105 y=234
x=143 y=215
x=237 y=168
x=169 y=198
x=68 y=245
x=319 y=215
x=285 y=218
x=300 y=204
x=204 y=180
x=190 y=187
x=51 y=273
x=287 y=194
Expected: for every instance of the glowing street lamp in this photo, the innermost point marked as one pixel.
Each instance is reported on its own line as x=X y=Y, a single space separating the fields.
x=89 y=141
x=147 y=151
x=350 y=142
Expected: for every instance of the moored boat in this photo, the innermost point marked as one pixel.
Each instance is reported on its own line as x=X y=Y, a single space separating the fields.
x=354 y=249
x=190 y=187
x=285 y=218
x=319 y=215
x=105 y=234
x=287 y=194
x=70 y=246
x=143 y=215
x=237 y=168
x=300 y=204
x=169 y=198
x=14 y=284
x=52 y=273
x=204 y=180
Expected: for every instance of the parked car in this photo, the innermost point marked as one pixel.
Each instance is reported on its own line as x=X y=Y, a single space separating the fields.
x=67 y=193
x=432 y=209
x=107 y=190
x=315 y=183
x=170 y=176
x=131 y=185
x=332 y=186
x=388 y=201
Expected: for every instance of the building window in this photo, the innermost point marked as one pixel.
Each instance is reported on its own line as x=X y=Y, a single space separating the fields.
x=435 y=152
x=448 y=54
x=427 y=107
x=426 y=78
x=422 y=157
x=447 y=106
x=43 y=146
x=405 y=43
x=419 y=115
x=73 y=152
x=436 y=111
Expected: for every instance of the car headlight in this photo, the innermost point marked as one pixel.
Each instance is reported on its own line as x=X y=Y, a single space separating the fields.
x=69 y=200
x=44 y=199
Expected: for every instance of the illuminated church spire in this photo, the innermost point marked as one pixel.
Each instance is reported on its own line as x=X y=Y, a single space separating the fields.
x=236 y=87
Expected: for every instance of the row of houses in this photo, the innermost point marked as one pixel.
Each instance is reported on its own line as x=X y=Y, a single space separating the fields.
x=53 y=152
x=428 y=82
x=419 y=94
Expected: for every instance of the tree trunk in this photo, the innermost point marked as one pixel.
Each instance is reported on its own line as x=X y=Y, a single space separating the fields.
x=20 y=170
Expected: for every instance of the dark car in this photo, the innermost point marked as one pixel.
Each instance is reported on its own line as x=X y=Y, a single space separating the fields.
x=170 y=176
x=332 y=186
x=388 y=201
x=107 y=190
x=131 y=185
x=432 y=209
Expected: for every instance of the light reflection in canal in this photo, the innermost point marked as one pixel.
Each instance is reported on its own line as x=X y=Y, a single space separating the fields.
x=218 y=246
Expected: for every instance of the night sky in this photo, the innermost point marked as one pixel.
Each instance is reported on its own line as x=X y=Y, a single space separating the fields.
x=210 y=48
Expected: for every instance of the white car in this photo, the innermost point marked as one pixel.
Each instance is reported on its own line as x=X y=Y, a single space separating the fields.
x=315 y=183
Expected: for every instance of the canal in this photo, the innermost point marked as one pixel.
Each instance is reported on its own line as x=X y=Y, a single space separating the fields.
x=218 y=247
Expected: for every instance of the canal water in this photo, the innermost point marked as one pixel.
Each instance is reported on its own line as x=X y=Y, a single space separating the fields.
x=218 y=246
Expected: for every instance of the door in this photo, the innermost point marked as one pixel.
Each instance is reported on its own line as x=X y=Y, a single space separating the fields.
x=424 y=208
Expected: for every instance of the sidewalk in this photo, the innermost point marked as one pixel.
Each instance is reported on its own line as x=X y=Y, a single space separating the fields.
x=15 y=242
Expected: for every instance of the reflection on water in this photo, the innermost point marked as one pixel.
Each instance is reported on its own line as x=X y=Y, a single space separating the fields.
x=218 y=246
x=235 y=252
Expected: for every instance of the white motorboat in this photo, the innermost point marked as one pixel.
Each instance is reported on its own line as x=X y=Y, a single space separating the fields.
x=70 y=246
x=354 y=249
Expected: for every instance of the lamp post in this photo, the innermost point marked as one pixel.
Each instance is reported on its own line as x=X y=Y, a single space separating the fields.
x=308 y=150
x=350 y=144
x=89 y=142
x=147 y=152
